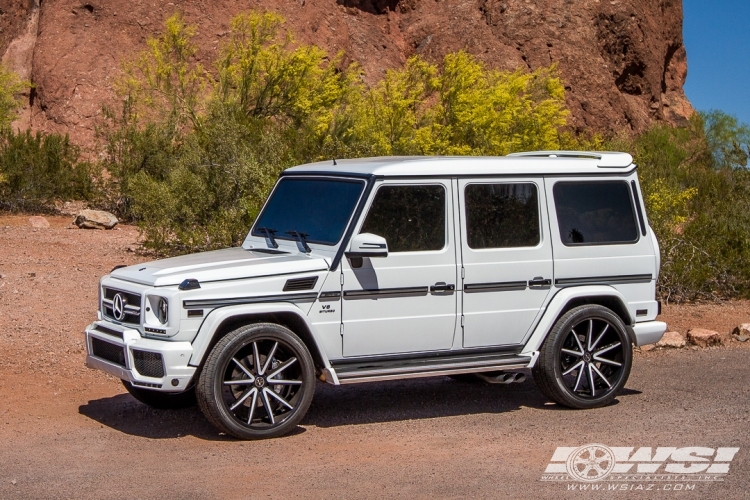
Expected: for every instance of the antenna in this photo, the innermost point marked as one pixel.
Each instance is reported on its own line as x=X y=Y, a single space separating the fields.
x=334 y=161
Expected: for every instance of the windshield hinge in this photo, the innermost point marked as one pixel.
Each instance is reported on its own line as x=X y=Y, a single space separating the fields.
x=342 y=279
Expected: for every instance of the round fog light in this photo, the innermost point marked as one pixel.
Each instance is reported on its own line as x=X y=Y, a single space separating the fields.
x=175 y=382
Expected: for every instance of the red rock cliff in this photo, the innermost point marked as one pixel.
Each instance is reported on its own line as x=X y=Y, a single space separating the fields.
x=623 y=61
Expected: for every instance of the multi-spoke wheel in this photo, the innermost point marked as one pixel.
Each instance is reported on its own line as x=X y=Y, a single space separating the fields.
x=257 y=382
x=586 y=358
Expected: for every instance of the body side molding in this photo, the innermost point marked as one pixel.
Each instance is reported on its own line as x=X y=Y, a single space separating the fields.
x=605 y=280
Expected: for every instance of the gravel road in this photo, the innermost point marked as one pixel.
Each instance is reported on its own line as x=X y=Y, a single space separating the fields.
x=69 y=432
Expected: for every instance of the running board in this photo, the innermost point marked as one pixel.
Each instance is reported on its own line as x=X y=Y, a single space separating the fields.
x=373 y=371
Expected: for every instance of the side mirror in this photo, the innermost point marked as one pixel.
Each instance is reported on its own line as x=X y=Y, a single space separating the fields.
x=367 y=245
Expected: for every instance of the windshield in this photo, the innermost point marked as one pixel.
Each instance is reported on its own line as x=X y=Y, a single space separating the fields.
x=318 y=209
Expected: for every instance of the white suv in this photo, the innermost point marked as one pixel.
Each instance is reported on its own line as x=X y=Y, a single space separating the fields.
x=391 y=268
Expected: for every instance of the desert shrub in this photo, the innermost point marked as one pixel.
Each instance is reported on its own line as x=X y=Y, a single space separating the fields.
x=37 y=169
x=696 y=187
x=10 y=88
x=193 y=153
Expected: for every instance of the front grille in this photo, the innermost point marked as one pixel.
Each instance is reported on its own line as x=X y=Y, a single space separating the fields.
x=110 y=352
x=131 y=303
x=297 y=284
x=148 y=363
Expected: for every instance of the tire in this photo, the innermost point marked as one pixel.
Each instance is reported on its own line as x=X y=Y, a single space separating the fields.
x=236 y=391
x=586 y=358
x=162 y=400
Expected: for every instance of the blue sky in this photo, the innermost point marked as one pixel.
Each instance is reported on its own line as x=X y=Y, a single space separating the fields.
x=717 y=39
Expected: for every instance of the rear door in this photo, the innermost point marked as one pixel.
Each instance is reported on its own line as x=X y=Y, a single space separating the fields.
x=507 y=258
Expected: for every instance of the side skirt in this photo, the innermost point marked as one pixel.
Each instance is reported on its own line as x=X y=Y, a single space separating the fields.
x=373 y=371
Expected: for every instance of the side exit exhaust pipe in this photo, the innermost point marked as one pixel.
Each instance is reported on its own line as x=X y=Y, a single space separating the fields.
x=502 y=377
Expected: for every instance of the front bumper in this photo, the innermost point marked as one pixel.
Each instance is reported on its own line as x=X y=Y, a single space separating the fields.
x=114 y=354
x=649 y=332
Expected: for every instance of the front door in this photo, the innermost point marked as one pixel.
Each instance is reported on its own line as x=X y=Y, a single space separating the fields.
x=507 y=258
x=405 y=302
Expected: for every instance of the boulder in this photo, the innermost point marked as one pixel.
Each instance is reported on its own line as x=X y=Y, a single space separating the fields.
x=742 y=332
x=672 y=339
x=38 y=222
x=703 y=338
x=95 y=219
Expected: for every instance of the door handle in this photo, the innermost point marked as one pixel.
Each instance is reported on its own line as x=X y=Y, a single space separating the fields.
x=539 y=281
x=442 y=287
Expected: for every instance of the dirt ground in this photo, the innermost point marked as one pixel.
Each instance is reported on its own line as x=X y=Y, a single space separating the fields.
x=67 y=431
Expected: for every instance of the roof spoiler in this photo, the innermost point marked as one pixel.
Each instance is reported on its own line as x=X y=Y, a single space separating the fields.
x=606 y=159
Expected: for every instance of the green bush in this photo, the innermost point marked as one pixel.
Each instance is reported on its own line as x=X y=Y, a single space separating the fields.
x=38 y=169
x=193 y=154
x=10 y=88
x=696 y=189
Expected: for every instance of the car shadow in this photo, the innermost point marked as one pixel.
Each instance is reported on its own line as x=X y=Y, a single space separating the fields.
x=416 y=399
x=335 y=406
x=125 y=414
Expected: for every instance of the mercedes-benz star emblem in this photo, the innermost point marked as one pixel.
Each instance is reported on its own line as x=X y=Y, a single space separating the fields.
x=118 y=307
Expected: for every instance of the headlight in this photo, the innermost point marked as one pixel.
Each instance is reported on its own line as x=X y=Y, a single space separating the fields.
x=162 y=311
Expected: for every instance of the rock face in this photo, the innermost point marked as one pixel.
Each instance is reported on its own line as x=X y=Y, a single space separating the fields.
x=622 y=61
x=95 y=219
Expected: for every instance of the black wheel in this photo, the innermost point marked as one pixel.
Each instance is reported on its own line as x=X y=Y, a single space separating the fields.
x=586 y=358
x=258 y=382
x=161 y=400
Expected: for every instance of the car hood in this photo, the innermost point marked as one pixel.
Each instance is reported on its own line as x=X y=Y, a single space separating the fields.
x=219 y=265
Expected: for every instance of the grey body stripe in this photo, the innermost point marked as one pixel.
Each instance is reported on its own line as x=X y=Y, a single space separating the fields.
x=290 y=297
x=384 y=293
x=606 y=280
x=495 y=287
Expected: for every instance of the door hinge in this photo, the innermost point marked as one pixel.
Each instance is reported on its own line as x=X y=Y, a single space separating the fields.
x=462 y=321
x=342 y=279
x=463 y=273
x=341 y=329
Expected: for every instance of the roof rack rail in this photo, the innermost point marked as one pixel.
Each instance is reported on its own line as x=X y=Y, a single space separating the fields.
x=606 y=159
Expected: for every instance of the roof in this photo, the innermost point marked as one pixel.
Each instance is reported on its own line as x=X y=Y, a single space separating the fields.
x=531 y=163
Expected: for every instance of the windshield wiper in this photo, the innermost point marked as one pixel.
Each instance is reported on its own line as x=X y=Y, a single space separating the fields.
x=300 y=239
x=270 y=240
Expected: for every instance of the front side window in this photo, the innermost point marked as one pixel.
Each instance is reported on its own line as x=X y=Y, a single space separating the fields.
x=318 y=208
x=410 y=218
x=595 y=213
x=502 y=215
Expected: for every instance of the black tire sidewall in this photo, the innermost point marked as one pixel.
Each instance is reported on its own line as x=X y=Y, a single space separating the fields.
x=218 y=361
x=551 y=364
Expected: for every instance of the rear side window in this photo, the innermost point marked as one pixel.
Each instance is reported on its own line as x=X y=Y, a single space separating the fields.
x=410 y=218
x=595 y=213
x=502 y=215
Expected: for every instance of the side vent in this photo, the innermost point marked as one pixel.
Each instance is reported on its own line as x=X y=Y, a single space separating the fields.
x=297 y=284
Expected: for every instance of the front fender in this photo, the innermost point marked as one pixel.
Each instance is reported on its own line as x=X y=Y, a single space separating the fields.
x=558 y=304
x=217 y=317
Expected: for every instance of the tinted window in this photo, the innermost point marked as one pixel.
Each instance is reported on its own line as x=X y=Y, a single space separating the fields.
x=595 y=213
x=502 y=215
x=319 y=207
x=410 y=218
